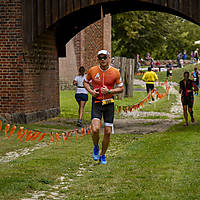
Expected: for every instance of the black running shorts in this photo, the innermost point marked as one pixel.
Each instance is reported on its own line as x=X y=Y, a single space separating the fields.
x=149 y=87
x=187 y=101
x=107 y=111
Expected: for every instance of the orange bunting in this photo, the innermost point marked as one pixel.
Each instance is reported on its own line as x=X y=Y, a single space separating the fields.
x=23 y=135
x=35 y=136
x=31 y=136
x=76 y=134
x=125 y=109
x=51 y=138
x=71 y=133
x=85 y=131
x=20 y=132
x=82 y=132
x=130 y=108
x=42 y=136
x=115 y=108
x=65 y=139
x=57 y=138
x=12 y=131
x=7 y=129
x=28 y=135
x=63 y=134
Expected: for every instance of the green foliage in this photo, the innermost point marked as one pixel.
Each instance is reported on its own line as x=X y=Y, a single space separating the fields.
x=161 y=34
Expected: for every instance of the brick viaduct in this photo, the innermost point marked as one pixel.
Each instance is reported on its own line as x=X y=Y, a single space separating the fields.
x=33 y=34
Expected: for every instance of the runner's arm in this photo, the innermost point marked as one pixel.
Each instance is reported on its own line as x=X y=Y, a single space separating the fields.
x=180 y=89
x=75 y=81
x=117 y=90
x=94 y=93
x=144 y=78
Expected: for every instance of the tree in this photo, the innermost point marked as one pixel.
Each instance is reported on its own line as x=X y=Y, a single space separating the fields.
x=161 y=34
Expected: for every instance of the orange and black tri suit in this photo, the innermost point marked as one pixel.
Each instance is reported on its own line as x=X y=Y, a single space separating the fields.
x=100 y=78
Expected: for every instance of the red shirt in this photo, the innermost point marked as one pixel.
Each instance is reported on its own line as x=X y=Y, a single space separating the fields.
x=101 y=78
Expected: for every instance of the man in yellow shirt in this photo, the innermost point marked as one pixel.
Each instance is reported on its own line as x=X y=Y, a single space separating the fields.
x=149 y=78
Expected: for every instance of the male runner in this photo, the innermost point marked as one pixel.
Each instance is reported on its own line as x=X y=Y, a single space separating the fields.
x=187 y=87
x=104 y=78
x=149 y=78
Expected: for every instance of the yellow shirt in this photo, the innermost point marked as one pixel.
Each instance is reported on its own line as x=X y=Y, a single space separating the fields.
x=150 y=77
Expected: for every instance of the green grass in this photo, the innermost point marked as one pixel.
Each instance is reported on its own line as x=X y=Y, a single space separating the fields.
x=161 y=166
x=177 y=74
x=69 y=108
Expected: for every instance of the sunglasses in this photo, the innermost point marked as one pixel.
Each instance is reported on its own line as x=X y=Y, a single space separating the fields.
x=102 y=57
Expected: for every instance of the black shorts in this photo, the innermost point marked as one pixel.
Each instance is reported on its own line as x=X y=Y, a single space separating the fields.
x=149 y=87
x=107 y=111
x=187 y=101
x=81 y=97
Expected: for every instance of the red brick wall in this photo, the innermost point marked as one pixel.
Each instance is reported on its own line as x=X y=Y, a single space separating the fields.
x=86 y=44
x=28 y=80
x=41 y=79
x=11 y=57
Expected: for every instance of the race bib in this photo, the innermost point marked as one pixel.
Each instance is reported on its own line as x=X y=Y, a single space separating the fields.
x=195 y=79
x=170 y=71
x=107 y=101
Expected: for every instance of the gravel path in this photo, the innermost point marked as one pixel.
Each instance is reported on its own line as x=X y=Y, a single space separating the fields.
x=13 y=155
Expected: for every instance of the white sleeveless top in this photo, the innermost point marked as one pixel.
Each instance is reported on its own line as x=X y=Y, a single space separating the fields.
x=80 y=88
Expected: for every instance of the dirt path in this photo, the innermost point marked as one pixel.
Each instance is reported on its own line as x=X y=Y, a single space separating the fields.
x=143 y=126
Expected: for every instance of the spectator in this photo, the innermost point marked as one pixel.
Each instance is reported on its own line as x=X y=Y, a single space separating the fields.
x=196 y=55
x=179 y=57
x=185 y=55
x=169 y=67
x=192 y=56
x=152 y=63
x=148 y=57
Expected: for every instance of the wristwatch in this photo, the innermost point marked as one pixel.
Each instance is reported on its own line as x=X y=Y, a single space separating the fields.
x=109 y=91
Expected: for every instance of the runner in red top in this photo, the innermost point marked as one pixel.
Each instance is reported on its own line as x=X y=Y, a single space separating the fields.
x=104 y=78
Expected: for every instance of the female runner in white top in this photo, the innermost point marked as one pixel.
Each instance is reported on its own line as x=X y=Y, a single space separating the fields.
x=81 y=93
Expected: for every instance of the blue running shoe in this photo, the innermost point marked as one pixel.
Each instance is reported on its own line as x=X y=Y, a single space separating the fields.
x=102 y=160
x=95 y=154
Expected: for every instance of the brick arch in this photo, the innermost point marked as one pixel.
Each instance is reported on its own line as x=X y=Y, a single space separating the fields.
x=68 y=17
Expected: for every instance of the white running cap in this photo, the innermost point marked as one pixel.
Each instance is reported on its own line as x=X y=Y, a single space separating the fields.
x=104 y=52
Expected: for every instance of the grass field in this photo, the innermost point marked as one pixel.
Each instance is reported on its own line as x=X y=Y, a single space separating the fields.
x=161 y=166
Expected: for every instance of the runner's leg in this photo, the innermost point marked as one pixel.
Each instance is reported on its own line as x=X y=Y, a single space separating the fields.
x=81 y=109
x=191 y=114
x=185 y=114
x=106 y=139
x=95 y=131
